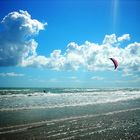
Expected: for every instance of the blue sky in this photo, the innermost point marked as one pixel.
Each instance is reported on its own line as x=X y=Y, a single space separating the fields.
x=67 y=43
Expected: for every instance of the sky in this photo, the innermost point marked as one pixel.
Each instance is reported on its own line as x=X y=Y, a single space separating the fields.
x=68 y=43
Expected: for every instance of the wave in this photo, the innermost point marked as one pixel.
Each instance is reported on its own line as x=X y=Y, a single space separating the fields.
x=40 y=100
x=55 y=91
x=67 y=92
x=69 y=105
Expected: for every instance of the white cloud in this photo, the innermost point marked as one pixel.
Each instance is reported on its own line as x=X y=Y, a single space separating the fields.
x=91 y=56
x=35 y=61
x=110 y=39
x=97 y=78
x=124 y=37
x=17 y=47
x=16 y=42
x=11 y=74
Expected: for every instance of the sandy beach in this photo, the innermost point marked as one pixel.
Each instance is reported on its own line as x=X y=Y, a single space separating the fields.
x=107 y=120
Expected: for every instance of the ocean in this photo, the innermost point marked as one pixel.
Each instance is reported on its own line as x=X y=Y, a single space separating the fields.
x=69 y=114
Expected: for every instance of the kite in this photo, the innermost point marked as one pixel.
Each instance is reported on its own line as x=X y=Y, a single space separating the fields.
x=115 y=62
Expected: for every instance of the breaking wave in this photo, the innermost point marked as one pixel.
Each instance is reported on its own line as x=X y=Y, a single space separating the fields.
x=23 y=99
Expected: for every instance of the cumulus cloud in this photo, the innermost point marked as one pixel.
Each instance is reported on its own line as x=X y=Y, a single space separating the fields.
x=17 y=47
x=124 y=37
x=16 y=42
x=11 y=74
x=110 y=39
x=92 y=56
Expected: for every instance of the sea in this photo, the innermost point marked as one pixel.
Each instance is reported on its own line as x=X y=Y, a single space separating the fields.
x=69 y=114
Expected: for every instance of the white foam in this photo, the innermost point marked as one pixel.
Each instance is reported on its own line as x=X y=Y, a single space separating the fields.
x=71 y=104
x=40 y=100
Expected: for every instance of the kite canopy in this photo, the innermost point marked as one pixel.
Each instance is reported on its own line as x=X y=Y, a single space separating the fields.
x=114 y=62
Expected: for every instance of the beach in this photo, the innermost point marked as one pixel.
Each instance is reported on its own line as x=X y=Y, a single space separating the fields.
x=67 y=113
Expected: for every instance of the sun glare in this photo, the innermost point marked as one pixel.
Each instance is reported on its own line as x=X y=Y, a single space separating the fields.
x=115 y=13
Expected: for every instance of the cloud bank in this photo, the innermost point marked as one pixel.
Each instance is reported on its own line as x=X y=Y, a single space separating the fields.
x=16 y=43
x=17 y=47
x=92 y=56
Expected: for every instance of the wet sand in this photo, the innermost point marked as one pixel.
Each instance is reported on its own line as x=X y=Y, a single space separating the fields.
x=123 y=124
